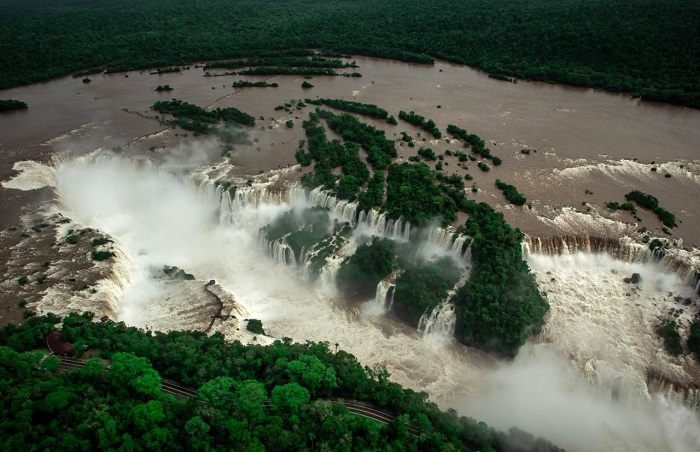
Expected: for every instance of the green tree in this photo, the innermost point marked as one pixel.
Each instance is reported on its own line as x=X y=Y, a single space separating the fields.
x=131 y=372
x=311 y=373
x=198 y=430
x=371 y=262
x=249 y=400
x=218 y=392
x=148 y=415
x=289 y=398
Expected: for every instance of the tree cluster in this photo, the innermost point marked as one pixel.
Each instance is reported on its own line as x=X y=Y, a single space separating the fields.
x=412 y=194
x=353 y=107
x=276 y=397
x=328 y=156
x=12 y=104
x=500 y=306
x=651 y=203
x=418 y=120
x=511 y=193
x=478 y=146
x=380 y=150
x=195 y=118
x=248 y=84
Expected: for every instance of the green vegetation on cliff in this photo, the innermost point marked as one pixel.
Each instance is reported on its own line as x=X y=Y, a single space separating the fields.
x=359 y=275
x=248 y=397
x=500 y=306
x=618 y=46
x=671 y=337
x=423 y=286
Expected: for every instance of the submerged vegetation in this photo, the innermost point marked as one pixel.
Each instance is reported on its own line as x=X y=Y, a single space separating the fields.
x=622 y=47
x=242 y=397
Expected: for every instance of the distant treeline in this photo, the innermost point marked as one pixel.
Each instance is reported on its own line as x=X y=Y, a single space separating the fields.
x=617 y=46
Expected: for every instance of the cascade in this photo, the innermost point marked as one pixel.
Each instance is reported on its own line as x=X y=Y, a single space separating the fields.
x=687 y=394
x=384 y=296
x=441 y=322
x=685 y=264
x=456 y=244
x=329 y=272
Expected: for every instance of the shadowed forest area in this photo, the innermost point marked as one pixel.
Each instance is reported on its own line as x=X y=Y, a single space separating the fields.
x=647 y=48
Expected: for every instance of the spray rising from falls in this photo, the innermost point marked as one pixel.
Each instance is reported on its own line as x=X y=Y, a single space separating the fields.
x=608 y=324
x=441 y=322
x=140 y=207
x=685 y=264
x=161 y=219
x=384 y=296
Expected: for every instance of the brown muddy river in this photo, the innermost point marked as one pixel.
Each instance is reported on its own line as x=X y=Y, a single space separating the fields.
x=585 y=140
x=587 y=148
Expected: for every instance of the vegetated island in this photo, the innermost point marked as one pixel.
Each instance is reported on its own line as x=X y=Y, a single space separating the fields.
x=497 y=309
x=197 y=119
x=620 y=47
x=12 y=104
x=190 y=391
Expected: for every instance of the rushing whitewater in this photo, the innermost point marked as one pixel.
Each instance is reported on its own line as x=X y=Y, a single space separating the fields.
x=601 y=341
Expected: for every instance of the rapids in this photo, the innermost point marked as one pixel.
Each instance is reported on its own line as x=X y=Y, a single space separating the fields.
x=596 y=377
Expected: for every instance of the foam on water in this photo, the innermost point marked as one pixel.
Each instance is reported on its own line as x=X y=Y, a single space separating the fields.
x=160 y=219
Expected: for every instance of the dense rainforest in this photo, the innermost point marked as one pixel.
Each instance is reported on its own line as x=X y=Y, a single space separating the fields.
x=283 y=396
x=646 y=47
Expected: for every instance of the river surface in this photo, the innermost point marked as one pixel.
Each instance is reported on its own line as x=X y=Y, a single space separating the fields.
x=591 y=147
x=599 y=339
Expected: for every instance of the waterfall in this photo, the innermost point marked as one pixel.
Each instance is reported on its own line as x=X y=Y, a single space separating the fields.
x=329 y=272
x=688 y=394
x=384 y=296
x=685 y=264
x=458 y=245
x=440 y=323
x=440 y=237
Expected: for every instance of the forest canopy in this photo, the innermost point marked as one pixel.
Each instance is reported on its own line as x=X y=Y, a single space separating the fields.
x=248 y=397
x=617 y=46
